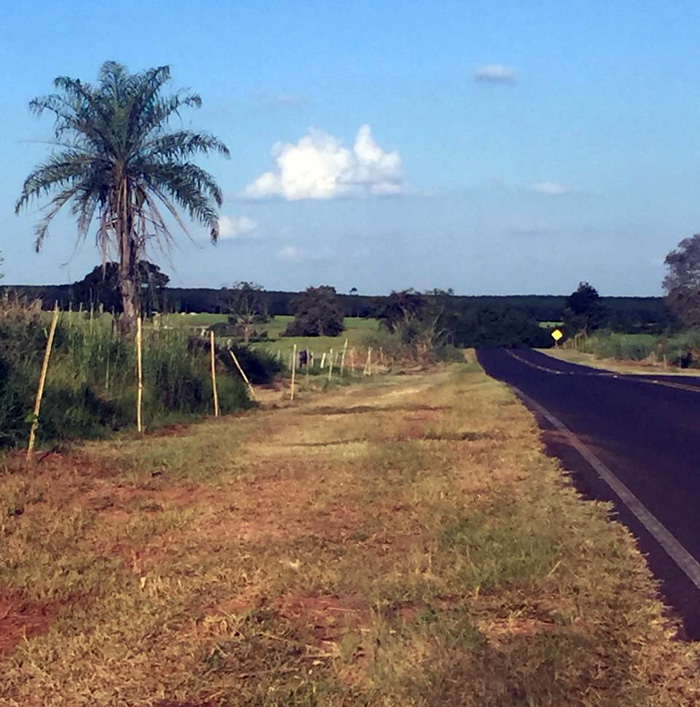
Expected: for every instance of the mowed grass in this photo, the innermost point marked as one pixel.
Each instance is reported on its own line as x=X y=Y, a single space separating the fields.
x=400 y=542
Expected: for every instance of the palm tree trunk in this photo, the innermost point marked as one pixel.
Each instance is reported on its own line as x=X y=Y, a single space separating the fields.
x=128 y=263
x=128 y=286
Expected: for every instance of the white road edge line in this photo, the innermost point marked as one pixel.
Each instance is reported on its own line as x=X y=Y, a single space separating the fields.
x=661 y=534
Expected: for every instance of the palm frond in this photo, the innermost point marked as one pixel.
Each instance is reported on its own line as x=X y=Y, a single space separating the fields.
x=57 y=203
x=191 y=188
x=57 y=172
x=183 y=145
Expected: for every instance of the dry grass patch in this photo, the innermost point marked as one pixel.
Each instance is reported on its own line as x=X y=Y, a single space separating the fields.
x=401 y=542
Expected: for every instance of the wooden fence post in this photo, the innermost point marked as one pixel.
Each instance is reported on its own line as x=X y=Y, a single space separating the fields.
x=139 y=376
x=42 y=382
x=294 y=370
x=212 y=347
x=368 y=363
x=342 y=360
x=242 y=372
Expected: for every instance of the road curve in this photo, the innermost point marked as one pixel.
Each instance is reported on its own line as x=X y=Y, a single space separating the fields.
x=644 y=432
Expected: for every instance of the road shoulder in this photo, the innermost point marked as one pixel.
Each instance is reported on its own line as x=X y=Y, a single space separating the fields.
x=614 y=365
x=405 y=541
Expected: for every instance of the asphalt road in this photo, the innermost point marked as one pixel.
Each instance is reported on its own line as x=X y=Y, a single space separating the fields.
x=639 y=433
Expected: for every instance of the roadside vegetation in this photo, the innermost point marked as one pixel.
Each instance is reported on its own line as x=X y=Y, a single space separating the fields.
x=673 y=351
x=633 y=353
x=401 y=542
x=91 y=384
x=591 y=332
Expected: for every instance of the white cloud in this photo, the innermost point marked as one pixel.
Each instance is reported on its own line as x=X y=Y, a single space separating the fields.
x=290 y=254
x=495 y=73
x=236 y=228
x=550 y=188
x=320 y=167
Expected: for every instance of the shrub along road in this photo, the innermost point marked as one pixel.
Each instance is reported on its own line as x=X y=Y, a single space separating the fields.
x=640 y=431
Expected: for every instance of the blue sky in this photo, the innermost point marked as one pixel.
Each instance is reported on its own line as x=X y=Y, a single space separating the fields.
x=492 y=147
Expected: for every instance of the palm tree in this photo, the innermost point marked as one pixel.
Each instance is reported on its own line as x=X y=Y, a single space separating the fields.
x=118 y=165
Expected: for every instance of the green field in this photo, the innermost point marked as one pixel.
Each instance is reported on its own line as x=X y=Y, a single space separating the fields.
x=356 y=329
x=192 y=320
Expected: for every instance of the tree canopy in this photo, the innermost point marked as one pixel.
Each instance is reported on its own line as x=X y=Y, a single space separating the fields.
x=119 y=167
x=584 y=311
x=246 y=307
x=682 y=281
x=683 y=265
x=317 y=312
x=101 y=287
x=416 y=317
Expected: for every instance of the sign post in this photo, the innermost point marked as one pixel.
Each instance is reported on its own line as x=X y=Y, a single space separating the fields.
x=557 y=335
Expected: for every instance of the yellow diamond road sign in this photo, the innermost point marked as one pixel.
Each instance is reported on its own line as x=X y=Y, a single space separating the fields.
x=556 y=334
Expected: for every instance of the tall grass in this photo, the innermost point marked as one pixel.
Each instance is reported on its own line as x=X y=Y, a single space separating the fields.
x=91 y=387
x=677 y=350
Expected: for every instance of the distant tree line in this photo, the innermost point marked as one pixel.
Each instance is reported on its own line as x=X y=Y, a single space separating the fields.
x=629 y=314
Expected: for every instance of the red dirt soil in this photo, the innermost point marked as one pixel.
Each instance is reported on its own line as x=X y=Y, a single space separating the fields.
x=21 y=619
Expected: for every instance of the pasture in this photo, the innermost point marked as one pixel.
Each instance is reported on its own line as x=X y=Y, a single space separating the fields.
x=357 y=329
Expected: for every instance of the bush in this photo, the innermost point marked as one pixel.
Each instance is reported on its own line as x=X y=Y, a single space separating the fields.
x=317 y=312
x=260 y=366
x=449 y=353
x=395 y=350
